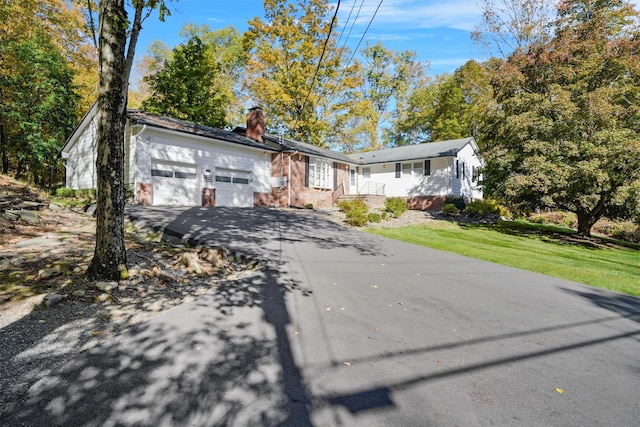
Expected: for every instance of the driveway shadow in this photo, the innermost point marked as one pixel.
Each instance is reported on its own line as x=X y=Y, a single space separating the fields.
x=224 y=359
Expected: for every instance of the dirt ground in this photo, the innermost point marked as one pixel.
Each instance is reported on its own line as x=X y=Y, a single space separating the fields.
x=50 y=310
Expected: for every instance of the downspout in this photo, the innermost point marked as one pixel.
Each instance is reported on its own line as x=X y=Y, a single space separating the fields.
x=289 y=179
x=135 y=162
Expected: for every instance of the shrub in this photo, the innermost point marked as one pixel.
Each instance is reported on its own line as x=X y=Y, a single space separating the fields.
x=536 y=219
x=480 y=208
x=347 y=206
x=626 y=230
x=65 y=192
x=450 y=210
x=396 y=206
x=128 y=192
x=385 y=215
x=86 y=193
x=374 y=217
x=309 y=206
x=357 y=218
x=565 y=219
x=457 y=201
x=355 y=212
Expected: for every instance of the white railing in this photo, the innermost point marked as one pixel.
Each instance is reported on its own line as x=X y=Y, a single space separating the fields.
x=372 y=188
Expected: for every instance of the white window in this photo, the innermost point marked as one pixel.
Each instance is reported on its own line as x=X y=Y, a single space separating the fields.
x=352 y=174
x=366 y=173
x=406 y=169
x=319 y=173
x=417 y=168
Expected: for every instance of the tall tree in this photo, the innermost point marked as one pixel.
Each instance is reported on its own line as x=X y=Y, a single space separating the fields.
x=115 y=58
x=285 y=74
x=59 y=26
x=215 y=66
x=567 y=133
x=511 y=25
x=452 y=106
x=388 y=77
x=39 y=105
x=186 y=87
x=381 y=83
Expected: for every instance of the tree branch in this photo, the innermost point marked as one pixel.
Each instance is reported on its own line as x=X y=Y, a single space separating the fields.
x=92 y=25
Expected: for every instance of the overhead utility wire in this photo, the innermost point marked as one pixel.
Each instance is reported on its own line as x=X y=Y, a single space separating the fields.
x=347 y=23
x=313 y=81
x=356 y=50
x=341 y=49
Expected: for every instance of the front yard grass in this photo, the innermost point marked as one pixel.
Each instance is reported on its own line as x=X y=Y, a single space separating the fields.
x=550 y=250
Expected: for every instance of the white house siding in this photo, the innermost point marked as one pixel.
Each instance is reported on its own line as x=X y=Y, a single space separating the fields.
x=415 y=184
x=154 y=146
x=465 y=185
x=81 y=157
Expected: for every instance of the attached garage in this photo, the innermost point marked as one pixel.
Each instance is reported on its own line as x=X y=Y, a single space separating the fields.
x=174 y=184
x=233 y=188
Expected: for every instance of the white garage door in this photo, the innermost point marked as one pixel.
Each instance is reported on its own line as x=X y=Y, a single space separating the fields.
x=174 y=185
x=233 y=188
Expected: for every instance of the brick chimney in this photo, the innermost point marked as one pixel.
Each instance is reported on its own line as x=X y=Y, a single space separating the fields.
x=255 y=123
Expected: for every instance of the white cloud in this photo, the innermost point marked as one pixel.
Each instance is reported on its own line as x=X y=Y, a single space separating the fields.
x=415 y=14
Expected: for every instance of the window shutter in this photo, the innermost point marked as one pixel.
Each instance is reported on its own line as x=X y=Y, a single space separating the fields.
x=335 y=175
x=457 y=169
x=427 y=167
x=306 y=171
x=464 y=174
x=398 y=170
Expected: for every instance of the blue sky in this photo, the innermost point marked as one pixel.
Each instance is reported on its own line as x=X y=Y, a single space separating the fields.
x=438 y=31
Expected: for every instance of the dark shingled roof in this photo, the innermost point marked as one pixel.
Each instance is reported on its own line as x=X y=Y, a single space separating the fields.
x=154 y=120
x=277 y=143
x=427 y=150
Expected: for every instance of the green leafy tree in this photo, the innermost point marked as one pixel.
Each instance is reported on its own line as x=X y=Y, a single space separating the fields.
x=228 y=55
x=39 y=105
x=566 y=134
x=42 y=43
x=283 y=75
x=452 y=106
x=187 y=87
x=380 y=84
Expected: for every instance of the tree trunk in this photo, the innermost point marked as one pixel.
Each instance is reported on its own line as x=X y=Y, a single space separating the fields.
x=109 y=260
x=3 y=148
x=585 y=222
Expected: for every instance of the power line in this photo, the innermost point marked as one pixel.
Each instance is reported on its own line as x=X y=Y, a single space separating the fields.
x=354 y=52
x=352 y=24
x=324 y=48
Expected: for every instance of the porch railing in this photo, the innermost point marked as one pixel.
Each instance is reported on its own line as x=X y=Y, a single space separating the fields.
x=372 y=188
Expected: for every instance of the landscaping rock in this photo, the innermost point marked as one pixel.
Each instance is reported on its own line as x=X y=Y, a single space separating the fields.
x=51 y=299
x=11 y=216
x=48 y=273
x=62 y=266
x=107 y=286
x=104 y=298
x=18 y=260
x=79 y=293
x=29 y=216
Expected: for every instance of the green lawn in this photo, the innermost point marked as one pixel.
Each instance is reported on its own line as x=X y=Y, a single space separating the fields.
x=553 y=251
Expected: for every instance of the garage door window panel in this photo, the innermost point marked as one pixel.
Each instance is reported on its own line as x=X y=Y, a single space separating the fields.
x=185 y=175
x=162 y=173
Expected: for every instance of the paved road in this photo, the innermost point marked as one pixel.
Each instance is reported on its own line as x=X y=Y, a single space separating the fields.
x=342 y=328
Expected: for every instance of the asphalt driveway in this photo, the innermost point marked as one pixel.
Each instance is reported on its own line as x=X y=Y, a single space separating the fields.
x=340 y=327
